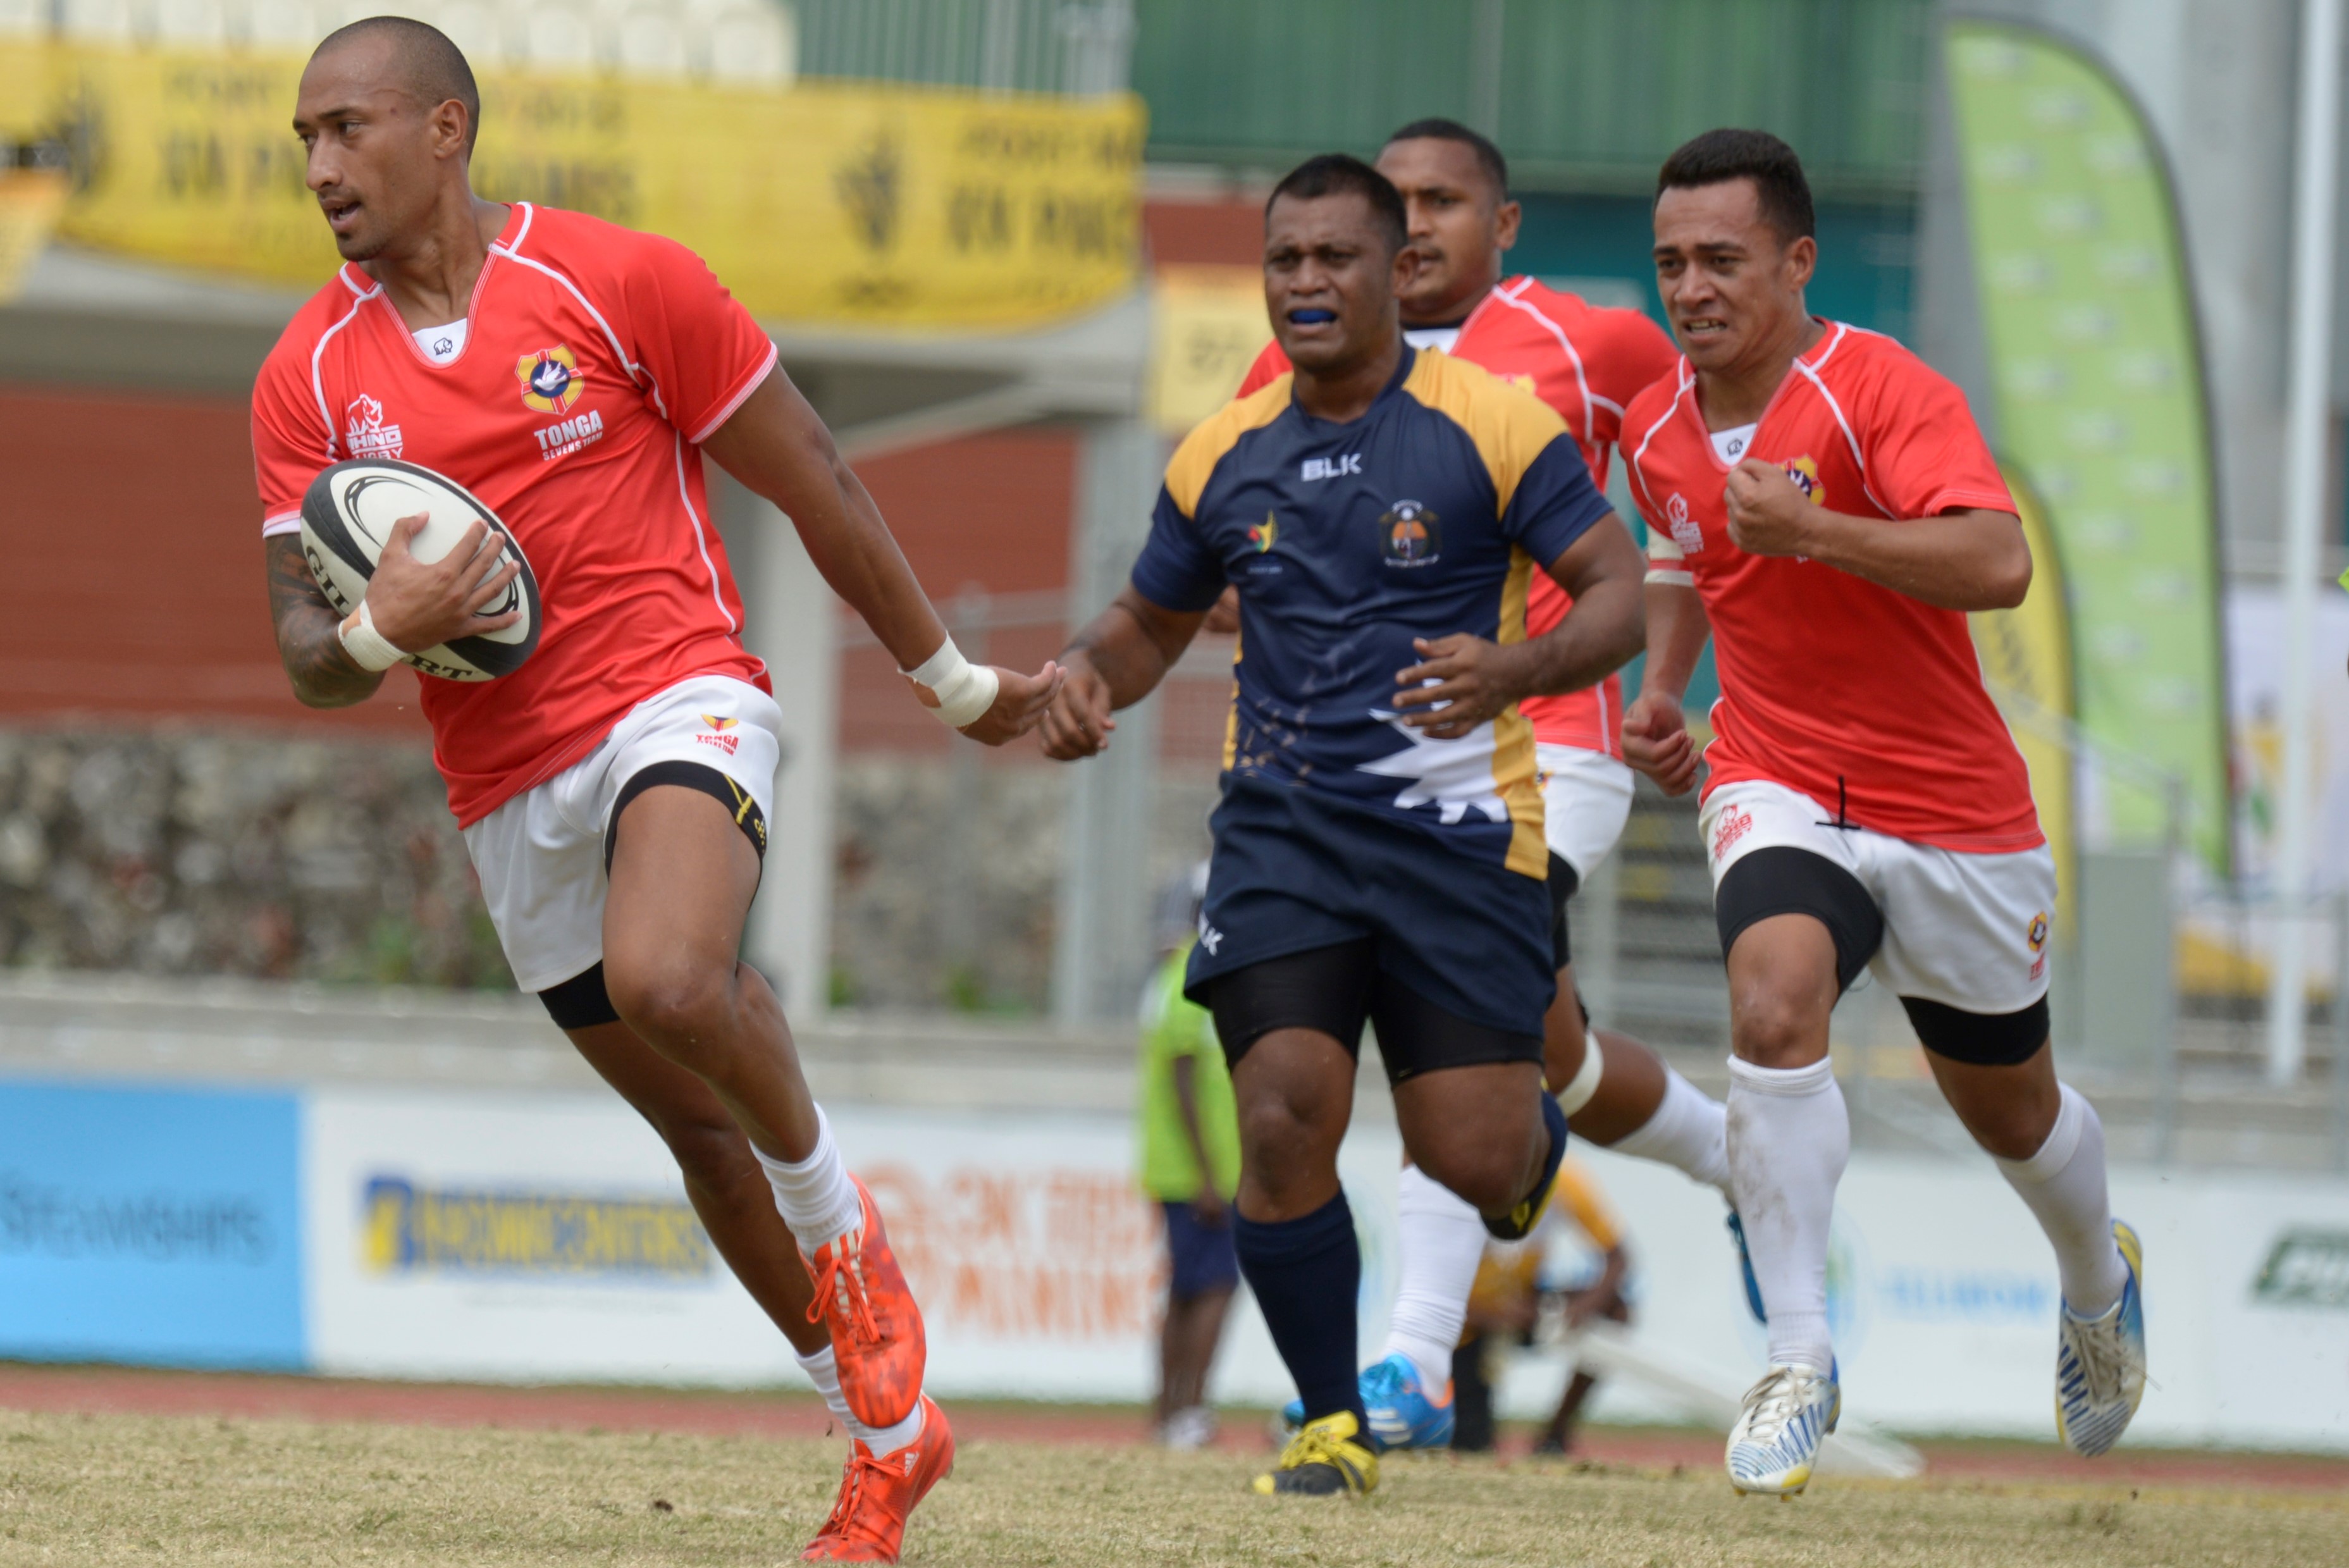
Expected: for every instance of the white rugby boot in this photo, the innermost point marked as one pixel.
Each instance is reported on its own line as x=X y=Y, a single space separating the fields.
x=1777 y=1435
x=2100 y=1361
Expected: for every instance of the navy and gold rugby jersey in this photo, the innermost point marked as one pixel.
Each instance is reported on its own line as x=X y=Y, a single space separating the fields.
x=1426 y=516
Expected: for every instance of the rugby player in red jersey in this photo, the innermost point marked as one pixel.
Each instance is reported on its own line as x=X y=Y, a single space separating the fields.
x=612 y=792
x=1821 y=504
x=1586 y=362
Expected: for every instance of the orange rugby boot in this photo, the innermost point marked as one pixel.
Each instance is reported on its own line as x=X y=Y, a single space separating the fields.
x=876 y=1329
x=868 y=1519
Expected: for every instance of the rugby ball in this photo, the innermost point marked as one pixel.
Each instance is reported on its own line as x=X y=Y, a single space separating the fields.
x=347 y=519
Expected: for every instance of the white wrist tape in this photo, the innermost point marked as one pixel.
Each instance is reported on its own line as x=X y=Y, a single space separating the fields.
x=368 y=648
x=965 y=692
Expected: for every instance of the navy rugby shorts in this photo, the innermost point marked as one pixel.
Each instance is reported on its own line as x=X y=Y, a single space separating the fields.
x=1294 y=870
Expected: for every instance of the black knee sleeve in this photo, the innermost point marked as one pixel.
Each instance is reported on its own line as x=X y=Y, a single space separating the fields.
x=1979 y=1039
x=581 y=1002
x=1781 y=880
x=689 y=775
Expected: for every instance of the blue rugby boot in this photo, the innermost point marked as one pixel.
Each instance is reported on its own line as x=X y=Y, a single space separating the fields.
x=1401 y=1413
x=2100 y=1361
x=1404 y=1415
x=1745 y=1268
x=1777 y=1435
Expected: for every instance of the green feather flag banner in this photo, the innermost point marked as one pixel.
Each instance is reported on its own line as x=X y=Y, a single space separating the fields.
x=2095 y=359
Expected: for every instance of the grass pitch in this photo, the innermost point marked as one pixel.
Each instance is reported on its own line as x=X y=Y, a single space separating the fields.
x=101 y=1490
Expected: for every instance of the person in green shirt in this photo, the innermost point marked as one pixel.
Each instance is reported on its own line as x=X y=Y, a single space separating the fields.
x=1191 y=1166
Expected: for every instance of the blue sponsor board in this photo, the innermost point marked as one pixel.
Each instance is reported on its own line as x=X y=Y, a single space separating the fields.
x=149 y=1225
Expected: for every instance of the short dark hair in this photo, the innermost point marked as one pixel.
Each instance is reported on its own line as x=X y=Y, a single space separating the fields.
x=1488 y=156
x=1720 y=156
x=435 y=67
x=1336 y=175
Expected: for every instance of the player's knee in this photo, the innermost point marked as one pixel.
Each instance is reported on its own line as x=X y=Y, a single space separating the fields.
x=711 y=1153
x=682 y=1008
x=1771 y=1027
x=1488 y=1174
x=1278 y=1136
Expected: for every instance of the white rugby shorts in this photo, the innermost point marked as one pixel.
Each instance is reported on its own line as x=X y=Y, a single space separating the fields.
x=1586 y=800
x=1967 y=930
x=541 y=855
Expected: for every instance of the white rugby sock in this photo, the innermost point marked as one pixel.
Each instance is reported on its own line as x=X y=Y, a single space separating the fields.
x=814 y=1195
x=1689 y=1132
x=823 y=1370
x=1789 y=1138
x=1440 y=1237
x=2064 y=1184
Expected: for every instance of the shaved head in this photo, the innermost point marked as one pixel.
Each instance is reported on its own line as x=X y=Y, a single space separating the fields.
x=430 y=68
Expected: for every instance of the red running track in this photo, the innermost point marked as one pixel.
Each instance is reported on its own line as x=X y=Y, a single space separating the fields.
x=105 y=1390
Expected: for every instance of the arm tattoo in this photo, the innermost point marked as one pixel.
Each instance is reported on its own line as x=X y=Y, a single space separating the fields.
x=324 y=675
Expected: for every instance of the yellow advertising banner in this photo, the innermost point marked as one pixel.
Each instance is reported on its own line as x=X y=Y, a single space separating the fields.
x=1207 y=325
x=821 y=204
x=2026 y=657
x=30 y=202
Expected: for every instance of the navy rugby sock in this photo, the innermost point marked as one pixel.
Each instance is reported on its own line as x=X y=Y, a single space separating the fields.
x=1306 y=1273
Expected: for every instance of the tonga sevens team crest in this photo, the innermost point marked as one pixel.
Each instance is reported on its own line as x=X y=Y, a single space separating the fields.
x=551 y=380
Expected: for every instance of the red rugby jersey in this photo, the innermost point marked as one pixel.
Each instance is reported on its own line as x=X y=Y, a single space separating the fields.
x=1587 y=362
x=596 y=360
x=1865 y=699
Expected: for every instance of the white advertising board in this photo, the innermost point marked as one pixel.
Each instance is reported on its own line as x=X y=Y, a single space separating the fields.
x=547 y=1237
x=540 y=1237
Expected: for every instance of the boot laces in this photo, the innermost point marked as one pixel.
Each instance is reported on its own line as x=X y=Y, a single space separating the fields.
x=844 y=1506
x=1775 y=1401
x=1312 y=1444
x=862 y=1466
x=840 y=1285
x=2104 y=1354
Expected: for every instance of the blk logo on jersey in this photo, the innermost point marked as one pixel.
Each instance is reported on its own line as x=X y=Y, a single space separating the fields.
x=366 y=435
x=551 y=380
x=1410 y=535
x=1332 y=467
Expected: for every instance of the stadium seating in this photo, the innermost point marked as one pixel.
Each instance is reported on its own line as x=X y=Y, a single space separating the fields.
x=739 y=42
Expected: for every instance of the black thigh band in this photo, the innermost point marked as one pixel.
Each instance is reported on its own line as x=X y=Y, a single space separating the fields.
x=581 y=1002
x=1562 y=882
x=1323 y=988
x=1980 y=1039
x=691 y=775
x=1417 y=1036
x=1783 y=880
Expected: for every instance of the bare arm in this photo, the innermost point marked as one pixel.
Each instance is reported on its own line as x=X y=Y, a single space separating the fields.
x=1209 y=1203
x=323 y=674
x=1970 y=560
x=1655 y=728
x=415 y=605
x=776 y=446
x=1476 y=679
x=1114 y=663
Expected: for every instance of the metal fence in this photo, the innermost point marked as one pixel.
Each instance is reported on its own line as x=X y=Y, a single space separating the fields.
x=1068 y=46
